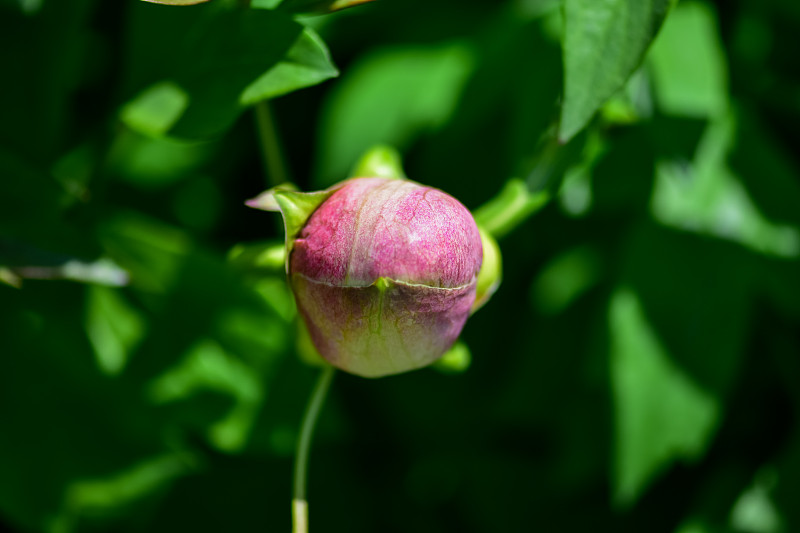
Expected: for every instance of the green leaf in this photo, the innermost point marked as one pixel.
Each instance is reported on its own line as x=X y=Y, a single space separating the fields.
x=211 y=64
x=157 y=109
x=604 y=42
x=307 y=63
x=707 y=197
x=390 y=97
x=114 y=328
x=207 y=365
x=661 y=414
x=565 y=278
x=688 y=64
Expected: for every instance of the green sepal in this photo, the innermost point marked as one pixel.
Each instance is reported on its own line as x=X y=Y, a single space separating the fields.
x=379 y=162
x=455 y=360
x=296 y=208
x=266 y=200
x=491 y=273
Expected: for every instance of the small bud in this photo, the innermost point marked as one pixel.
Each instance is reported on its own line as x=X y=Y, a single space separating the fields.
x=384 y=271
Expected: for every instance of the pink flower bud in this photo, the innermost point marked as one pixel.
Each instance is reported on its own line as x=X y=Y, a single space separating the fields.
x=384 y=272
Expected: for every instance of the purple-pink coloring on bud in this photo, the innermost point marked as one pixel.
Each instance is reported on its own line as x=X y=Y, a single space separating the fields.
x=384 y=274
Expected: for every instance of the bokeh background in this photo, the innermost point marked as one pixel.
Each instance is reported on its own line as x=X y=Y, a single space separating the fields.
x=638 y=370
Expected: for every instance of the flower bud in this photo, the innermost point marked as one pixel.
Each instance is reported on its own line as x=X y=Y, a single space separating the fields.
x=384 y=271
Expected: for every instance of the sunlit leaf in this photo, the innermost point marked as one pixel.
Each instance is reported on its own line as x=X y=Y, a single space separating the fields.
x=390 y=97
x=215 y=63
x=114 y=328
x=157 y=109
x=707 y=197
x=755 y=510
x=688 y=63
x=208 y=366
x=106 y=495
x=661 y=415
x=307 y=63
x=565 y=279
x=604 y=42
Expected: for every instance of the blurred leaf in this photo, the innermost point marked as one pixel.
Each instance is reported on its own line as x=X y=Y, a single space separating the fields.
x=9 y=278
x=111 y=494
x=213 y=63
x=152 y=163
x=631 y=104
x=755 y=511
x=512 y=93
x=692 y=318
x=565 y=278
x=700 y=311
x=307 y=63
x=208 y=366
x=51 y=391
x=114 y=328
x=537 y=8
x=688 y=63
x=604 y=42
x=389 y=97
x=150 y=251
x=661 y=415
x=706 y=197
x=157 y=109
x=266 y=258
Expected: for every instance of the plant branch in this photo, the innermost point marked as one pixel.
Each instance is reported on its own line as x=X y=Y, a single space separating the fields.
x=299 y=503
x=274 y=162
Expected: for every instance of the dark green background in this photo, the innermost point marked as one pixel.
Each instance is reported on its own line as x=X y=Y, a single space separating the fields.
x=638 y=370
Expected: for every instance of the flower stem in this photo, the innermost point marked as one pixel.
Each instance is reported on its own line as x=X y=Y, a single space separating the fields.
x=299 y=503
x=276 y=169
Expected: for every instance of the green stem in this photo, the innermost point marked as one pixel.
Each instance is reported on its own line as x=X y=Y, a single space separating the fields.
x=271 y=150
x=299 y=503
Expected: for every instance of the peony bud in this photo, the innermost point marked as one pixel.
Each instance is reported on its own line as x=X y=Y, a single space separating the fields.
x=384 y=271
